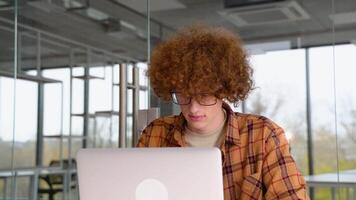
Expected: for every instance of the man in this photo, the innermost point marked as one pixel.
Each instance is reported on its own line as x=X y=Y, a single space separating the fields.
x=200 y=69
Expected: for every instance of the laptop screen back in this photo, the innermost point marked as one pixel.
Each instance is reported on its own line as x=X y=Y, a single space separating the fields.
x=150 y=173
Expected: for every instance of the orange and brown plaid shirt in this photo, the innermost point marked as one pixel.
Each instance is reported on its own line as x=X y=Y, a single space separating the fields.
x=255 y=154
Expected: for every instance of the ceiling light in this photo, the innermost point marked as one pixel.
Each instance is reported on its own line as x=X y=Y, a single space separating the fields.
x=72 y=4
x=261 y=48
x=343 y=18
x=262 y=14
x=155 y=5
x=3 y=3
x=96 y=14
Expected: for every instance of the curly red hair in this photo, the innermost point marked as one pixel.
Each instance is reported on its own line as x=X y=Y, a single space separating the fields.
x=201 y=59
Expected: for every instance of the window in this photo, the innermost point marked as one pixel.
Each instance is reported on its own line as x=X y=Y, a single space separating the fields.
x=280 y=95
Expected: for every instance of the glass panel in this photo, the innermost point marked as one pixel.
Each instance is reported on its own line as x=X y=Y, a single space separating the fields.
x=143 y=99
x=65 y=33
x=116 y=74
x=277 y=43
x=129 y=131
x=343 y=18
x=103 y=132
x=129 y=73
x=51 y=150
x=23 y=187
x=116 y=98
x=129 y=101
x=77 y=125
x=78 y=96
x=346 y=105
x=8 y=53
x=76 y=145
x=115 y=131
x=272 y=96
x=98 y=71
x=52 y=109
x=78 y=71
x=7 y=36
x=6 y=120
x=100 y=90
x=91 y=129
x=98 y=64
x=26 y=123
x=142 y=74
x=322 y=102
x=27 y=53
x=64 y=76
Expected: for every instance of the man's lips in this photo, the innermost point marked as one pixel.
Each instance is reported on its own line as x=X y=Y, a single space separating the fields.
x=196 y=117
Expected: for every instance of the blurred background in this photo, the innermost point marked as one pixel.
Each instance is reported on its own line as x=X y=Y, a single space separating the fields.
x=72 y=75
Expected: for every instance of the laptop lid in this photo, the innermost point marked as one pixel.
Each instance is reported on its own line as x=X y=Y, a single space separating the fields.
x=150 y=174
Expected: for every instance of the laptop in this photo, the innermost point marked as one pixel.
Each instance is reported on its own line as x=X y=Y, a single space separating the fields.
x=150 y=174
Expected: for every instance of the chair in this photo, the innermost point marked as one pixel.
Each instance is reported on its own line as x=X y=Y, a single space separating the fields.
x=54 y=183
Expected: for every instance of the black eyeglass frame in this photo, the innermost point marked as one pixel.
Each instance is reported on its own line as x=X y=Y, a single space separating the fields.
x=175 y=99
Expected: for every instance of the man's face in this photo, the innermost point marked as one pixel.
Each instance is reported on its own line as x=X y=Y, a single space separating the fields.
x=200 y=118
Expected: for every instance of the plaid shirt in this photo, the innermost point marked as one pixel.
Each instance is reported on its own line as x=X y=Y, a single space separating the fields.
x=255 y=154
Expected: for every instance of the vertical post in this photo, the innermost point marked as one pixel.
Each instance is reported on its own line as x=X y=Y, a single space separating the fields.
x=136 y=105
x=112 y=103
x=34 y=185
x=112 y=86
x=149 y=91
x=69 y=170
x=65 y=184
x=5 y=188
x=71 y=58
x=122 y=109
x=40 y=106
x=86 y=99
x=65 y=189
x=333 y=193
x=14 y=185
x=148 y=33
x=40 y=118
x=61 y=129
x=309 y=124
x=13 y=175
x=19 y=53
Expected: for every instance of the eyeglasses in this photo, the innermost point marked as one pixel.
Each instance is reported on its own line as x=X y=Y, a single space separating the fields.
x=203 y=99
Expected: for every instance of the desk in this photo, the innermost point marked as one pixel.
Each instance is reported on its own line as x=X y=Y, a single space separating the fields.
x=345 y=179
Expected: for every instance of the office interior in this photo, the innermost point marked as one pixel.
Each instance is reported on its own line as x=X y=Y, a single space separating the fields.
x=72 y=75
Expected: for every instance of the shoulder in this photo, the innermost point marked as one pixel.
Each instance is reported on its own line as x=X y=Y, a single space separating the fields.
x=157 y=132
x=255 y=119
x=165 y=122
x=162 y=125
x=257 y=123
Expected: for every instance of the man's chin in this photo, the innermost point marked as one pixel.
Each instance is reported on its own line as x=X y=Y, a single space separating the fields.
x=197 y=126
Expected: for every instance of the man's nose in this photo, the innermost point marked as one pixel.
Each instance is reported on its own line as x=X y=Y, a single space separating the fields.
x=194 y=106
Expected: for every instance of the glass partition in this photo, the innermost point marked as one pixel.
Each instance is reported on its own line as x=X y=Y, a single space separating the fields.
x=302 y=56
x=60 y=88
x=13 y=139
x=69 y=68
x=279 y=75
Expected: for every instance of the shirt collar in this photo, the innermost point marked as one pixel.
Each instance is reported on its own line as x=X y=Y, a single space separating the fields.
x=232 y=135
